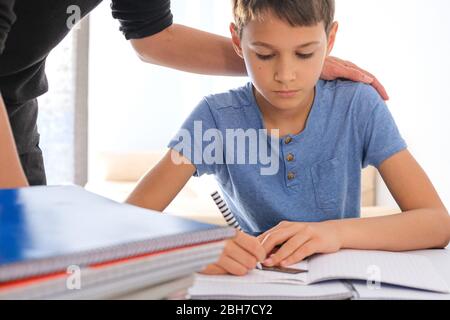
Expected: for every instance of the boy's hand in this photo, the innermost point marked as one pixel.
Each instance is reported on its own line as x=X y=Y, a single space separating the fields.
x=299 y=241
x=241 y=254
x=336 y=68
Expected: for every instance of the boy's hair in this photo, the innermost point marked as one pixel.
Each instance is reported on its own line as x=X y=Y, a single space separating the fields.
x=298 y=13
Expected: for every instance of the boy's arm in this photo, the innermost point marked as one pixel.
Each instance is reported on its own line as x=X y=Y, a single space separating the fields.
x=159 y=186
x=424 y=223
x=11 y=172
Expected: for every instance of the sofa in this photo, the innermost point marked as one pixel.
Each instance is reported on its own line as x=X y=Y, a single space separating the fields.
x=116 y=174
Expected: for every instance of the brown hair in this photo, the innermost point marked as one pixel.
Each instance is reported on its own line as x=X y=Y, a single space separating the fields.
x=299 y=13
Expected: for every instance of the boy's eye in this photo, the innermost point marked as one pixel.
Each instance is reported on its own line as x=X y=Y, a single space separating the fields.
x=265 y=56
x=304 y=56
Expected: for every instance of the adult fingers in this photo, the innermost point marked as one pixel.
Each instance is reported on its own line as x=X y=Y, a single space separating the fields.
x=369 y=78
x=338 y=68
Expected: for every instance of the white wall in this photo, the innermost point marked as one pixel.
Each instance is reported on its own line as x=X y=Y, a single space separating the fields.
x=56 y=114
x=135 y=107
x=406 y=44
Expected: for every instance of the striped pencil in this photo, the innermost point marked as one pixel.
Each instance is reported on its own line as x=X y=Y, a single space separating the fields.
x=225 y=211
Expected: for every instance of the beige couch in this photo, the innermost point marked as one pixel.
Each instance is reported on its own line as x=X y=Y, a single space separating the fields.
x=119 y=174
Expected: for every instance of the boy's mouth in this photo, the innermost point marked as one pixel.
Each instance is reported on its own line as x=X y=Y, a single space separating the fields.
x=287 y=93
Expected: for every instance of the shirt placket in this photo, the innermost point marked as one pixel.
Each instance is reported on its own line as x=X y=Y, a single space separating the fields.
x=289 y=159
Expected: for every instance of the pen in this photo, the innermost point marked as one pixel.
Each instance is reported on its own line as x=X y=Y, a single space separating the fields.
x=228 y=215
x=232 y=222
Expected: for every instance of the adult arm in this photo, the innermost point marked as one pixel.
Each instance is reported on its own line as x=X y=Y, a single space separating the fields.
x=7 y=19
x=149 y=26
x=11 y=172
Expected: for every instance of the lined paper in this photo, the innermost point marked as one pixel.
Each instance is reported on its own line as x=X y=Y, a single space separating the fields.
x=404 y=269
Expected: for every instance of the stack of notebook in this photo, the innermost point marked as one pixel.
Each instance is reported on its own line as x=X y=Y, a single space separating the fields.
x=66 y=243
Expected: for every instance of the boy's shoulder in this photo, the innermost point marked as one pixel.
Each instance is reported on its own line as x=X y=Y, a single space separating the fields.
x=350 y=88
x=345 y=94
x=234 y=98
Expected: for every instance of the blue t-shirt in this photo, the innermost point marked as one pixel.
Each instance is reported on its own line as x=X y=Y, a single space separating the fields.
x=318 y=176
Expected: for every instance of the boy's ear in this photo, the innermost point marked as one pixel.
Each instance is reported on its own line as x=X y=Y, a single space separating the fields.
x=236 y=40
x=332 y=37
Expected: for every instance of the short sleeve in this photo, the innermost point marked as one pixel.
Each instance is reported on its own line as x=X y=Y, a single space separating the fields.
x=382 y=138
x=142 y=18
x=7 y=18
x=199 y=140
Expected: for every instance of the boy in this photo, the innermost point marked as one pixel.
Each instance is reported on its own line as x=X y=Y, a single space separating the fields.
x=325 y=132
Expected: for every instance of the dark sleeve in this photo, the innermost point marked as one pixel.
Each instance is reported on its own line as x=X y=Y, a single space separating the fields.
x=142 y=18
x=7 y=19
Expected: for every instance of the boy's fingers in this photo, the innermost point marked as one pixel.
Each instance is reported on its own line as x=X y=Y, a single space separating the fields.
x=281 y=225
x=306 y=250
x=276 y=238
x=242 y=256
x=251 y=245
x=214 y=269
x=232 y=266
x=287 y=249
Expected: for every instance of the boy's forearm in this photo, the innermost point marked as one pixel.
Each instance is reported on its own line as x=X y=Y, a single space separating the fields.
x=191 y=50
x=160 y=186
x=11 y=172
x=411 y=230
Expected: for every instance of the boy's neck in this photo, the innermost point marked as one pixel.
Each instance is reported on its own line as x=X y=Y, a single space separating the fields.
x=288 y=122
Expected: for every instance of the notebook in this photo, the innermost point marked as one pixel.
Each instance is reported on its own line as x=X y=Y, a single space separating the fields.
x=109 y=280
x=336 y=273
x=46 y=229
x=204 y=289
x=440 y=260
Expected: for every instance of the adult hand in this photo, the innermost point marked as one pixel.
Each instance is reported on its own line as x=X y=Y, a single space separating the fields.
x=337 y=68
x=299 y=241
x=241 y=254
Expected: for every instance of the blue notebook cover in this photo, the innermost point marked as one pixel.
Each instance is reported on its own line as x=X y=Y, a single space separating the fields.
x=47 y=229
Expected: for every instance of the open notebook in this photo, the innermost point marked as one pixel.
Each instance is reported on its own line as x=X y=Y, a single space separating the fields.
x=376 y=268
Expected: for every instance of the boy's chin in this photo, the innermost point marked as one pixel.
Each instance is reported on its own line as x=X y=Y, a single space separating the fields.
x=283 y=105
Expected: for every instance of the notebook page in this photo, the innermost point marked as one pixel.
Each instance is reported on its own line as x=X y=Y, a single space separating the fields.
x=205 y=289
x=390 y=292
x=402 y=269
x=440 y=260
x=260 y=276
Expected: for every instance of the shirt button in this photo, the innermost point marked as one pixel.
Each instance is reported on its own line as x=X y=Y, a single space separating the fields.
x=291 y=176
x=290 y=157
x=288 y=140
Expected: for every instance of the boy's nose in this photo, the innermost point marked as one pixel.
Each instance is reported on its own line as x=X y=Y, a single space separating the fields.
x=285 y=73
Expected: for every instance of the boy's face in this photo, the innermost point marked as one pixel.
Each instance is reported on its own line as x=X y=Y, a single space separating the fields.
x=284 y=62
